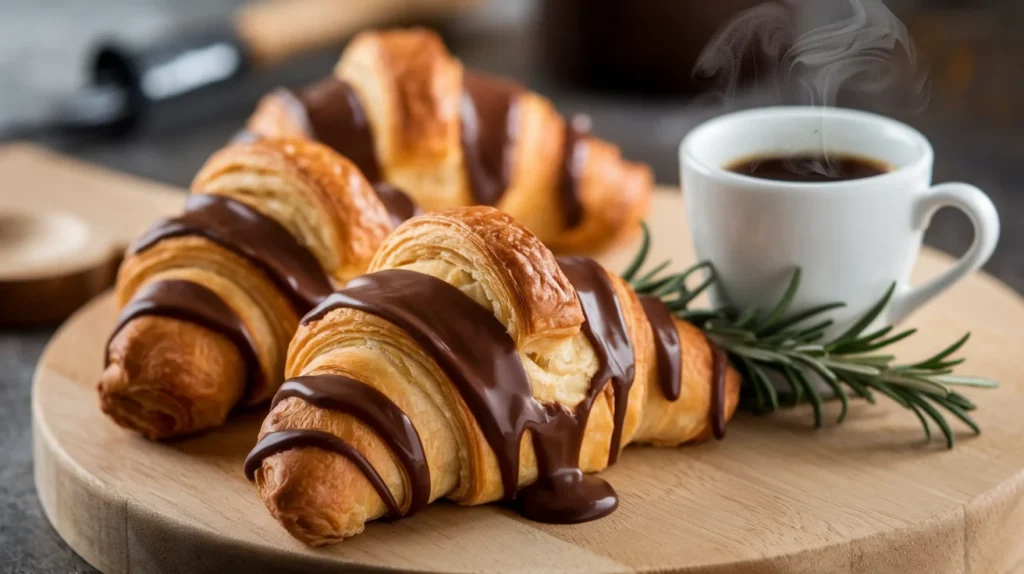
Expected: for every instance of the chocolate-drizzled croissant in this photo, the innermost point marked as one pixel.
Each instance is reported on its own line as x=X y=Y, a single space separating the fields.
x=471 y=364
x=211 y=298
x=406 y=112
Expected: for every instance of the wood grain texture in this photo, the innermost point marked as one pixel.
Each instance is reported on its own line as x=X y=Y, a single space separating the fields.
x=775 y=496
x=64 y=226
x=276 y=30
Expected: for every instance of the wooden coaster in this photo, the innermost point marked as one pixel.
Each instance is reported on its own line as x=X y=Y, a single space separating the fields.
x=774 y=496
x=64 y=226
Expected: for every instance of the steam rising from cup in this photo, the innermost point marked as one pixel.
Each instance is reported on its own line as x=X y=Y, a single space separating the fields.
x=862 y=52
x=863 y=49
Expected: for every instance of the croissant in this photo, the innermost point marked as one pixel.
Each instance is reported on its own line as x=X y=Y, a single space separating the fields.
x=211 y=298
x=471 y=364
x=406 y=112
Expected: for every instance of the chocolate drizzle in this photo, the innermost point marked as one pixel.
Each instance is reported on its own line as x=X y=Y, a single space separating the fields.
x=469 y=344
x=668 y=349
x=562 y=494
x=399 y=205
x=481 y=360
x=719 y=368
x=330 y=112
x=488 y=117
x=192 y=302
x=605 y=328
x=252 y=235
x=372 y=408
x=577 y=131
x=337 y=118
x=280 y=441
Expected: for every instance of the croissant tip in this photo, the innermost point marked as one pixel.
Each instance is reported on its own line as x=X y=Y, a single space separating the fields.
x=131 y=409
x=297 y=506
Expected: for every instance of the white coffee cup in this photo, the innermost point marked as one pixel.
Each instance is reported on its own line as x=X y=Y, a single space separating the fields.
x=851 y=239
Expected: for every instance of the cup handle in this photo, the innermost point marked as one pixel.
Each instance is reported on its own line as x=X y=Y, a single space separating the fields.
x=982 y=213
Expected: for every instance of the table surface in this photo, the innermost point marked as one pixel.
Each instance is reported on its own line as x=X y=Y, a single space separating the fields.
x=990 y=156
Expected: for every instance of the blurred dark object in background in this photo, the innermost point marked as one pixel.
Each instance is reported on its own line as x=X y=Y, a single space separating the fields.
x=131 y=83
x=971 y=49
x=975 y=48
x=632 y=45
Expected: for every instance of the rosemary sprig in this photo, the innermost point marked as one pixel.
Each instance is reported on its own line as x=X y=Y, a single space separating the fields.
x=792 y=346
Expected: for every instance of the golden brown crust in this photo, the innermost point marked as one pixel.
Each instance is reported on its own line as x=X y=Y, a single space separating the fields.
x=615 y=195
x=321 y=498
x=275 y=116
x=168 y=378
x=522 y=273
x=189 y=381
x=533 y=193
x=398 y=367
x=427 y=81
x=299 y=488
x=687 y=419
x=315 y=193
x=267 y=313
x=410 y=87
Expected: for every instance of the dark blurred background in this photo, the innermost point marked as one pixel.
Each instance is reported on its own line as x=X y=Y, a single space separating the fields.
x=626 y=63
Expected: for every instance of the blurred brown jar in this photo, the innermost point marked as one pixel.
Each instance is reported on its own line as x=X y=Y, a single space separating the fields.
x=631 y=45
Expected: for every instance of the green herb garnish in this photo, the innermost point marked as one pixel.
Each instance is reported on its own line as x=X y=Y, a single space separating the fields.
x=852 y=364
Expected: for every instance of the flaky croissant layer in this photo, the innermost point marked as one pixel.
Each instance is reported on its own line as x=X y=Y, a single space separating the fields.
x=211 y=298
x=408 y=113
x=473 y=365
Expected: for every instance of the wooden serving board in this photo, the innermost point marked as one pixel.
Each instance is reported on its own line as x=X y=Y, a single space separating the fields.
x=64 y=225
x=775 y=496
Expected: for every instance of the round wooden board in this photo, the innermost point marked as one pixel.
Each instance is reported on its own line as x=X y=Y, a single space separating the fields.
x=775 y=496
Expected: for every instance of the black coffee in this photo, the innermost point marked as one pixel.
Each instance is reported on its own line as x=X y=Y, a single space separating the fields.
x=810 y=168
